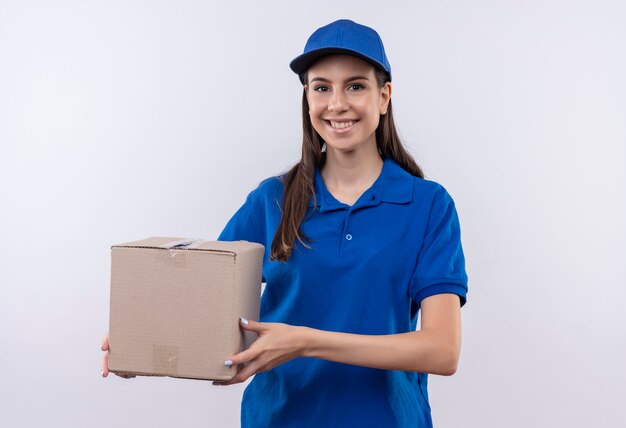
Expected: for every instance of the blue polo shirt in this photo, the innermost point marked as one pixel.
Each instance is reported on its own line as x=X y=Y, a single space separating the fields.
x=369 y=267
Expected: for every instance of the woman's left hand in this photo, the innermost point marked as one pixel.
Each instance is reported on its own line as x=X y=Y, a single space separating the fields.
x=276 y=344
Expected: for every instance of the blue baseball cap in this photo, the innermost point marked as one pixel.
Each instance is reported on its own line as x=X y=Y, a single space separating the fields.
x=343 y=37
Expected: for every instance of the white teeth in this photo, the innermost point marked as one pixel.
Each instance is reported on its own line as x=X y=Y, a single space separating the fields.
x=341 y=125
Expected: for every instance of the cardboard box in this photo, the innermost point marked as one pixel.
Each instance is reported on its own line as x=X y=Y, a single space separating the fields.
x=176 y=303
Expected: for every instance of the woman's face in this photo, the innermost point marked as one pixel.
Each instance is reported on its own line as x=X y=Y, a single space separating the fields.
x=345 y=101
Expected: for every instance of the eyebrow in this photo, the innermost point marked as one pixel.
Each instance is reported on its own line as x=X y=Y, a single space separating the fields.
x=350 y=79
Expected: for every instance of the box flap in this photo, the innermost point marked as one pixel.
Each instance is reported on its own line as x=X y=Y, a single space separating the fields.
x=168 y=243
x=155 y=242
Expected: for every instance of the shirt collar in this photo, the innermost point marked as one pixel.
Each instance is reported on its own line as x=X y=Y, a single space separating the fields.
x=394 y=185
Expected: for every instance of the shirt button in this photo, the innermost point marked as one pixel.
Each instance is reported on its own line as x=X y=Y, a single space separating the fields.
x=348 y=237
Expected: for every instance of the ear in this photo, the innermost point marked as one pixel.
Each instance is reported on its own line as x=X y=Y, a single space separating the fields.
x=385 y=97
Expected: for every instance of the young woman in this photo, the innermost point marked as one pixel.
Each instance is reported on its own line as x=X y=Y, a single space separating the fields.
x=357 y=243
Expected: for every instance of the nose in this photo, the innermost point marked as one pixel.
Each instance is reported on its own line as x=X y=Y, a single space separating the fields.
x=337 y=101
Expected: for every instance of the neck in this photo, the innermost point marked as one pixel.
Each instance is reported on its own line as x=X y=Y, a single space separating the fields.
x=352 y=170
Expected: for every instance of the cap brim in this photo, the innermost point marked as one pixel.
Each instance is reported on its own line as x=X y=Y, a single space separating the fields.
x=302 y=63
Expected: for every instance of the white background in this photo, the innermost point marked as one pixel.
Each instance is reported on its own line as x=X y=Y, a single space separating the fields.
x=125 y=119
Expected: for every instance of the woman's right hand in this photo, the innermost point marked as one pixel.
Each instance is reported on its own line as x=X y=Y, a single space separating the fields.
x=105 y=359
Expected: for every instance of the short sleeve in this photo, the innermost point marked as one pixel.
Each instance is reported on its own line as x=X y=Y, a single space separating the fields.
x=440 y=265
x=245 y=224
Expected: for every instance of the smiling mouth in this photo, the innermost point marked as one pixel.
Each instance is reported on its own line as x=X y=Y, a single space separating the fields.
x=341 y=125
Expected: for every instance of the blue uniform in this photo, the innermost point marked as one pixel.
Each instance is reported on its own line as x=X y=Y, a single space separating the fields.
x=369 y=267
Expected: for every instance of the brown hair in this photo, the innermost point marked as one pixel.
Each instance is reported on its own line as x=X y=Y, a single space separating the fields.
x=298 y=181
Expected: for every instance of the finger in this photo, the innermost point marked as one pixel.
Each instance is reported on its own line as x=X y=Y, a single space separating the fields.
x=105 y=364
x=241 y=358
x=251 y=325
x=105 y=343
x=242 y=376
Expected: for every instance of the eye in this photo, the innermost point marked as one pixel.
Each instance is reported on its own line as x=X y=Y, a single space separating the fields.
x=321 y=88
x=355 y=87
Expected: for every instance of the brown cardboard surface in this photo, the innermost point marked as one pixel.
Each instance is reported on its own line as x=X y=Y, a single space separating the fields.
x=174 y=309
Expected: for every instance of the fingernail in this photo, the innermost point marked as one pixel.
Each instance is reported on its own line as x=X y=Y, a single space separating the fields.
x=102 y=373
x=243 y=321
x=228 y=363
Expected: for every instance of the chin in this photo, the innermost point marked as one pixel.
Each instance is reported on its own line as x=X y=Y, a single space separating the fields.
x=341 y=148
